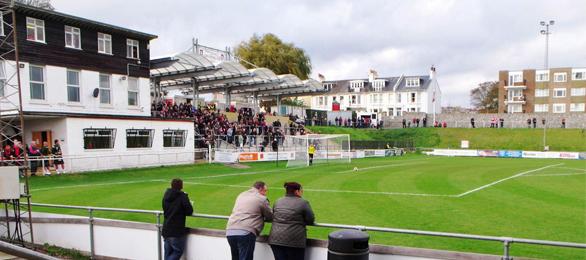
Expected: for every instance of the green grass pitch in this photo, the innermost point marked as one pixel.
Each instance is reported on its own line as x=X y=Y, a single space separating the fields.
x=525 y=198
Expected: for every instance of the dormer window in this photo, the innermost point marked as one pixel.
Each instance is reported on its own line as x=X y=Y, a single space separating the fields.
x=378 y=84
x=35 y=30
x=131 y=49
x=413 y=82
x=356 y=85
x=328 y=86
x=72 y=37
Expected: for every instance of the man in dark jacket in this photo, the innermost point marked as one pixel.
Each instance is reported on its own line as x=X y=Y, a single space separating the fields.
x=176 y=206
x=291 y=214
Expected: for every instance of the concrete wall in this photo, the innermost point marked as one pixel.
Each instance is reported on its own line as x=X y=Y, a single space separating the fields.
x=573 y=120
x=132 y=240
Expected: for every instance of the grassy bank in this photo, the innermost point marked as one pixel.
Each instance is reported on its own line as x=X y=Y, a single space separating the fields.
x=480 y=138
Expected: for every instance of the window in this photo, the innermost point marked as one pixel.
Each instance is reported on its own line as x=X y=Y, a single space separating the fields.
x=2 y=78
x=398 y=97
x=378 y=84
x=579 y=74
x=105 y=89
x=103 y=138
x=375 y=98
x=413 y=95
x=578 y=91
x=559 y=92
x=515 y=77
x=542 y=75
x=72 y=37
x=515 y=108
x=413 y=82
x=133 y=91
x=131 y=49
x=356 y=85
x=139 y=138
x=73 y=86
x=541 y=107
x=104 y=43
x=35 y=30
x=560 y=77
x=328 y=86
x=174 y=138
x=541 y=92
x=353 y=100
x=559 y=108
x=577 y=107
x=320 y=101
x=37 y=81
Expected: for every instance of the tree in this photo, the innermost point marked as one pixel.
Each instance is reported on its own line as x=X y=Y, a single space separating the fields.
x=44 y=4
x=485 y=97
x=270 y=52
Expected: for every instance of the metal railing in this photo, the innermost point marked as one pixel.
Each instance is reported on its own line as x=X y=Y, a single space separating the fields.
x=506 y=241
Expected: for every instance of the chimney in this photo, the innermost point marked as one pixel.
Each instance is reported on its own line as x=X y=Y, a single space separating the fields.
x=321 y=77
x=372 y=75
x=432 y=72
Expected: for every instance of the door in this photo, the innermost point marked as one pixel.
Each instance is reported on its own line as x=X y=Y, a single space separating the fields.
x=42 y=136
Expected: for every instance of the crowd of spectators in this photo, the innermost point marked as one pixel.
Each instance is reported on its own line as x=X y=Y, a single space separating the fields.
x=250 y=129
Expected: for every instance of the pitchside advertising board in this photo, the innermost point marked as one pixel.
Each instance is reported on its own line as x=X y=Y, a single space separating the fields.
x=508 y=154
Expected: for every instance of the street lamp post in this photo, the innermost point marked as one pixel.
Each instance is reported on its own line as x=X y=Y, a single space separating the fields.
x=546 y=32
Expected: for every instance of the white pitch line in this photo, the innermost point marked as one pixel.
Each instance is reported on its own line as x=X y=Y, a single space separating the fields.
x=97 y=184
x=508 y=178
x=382 y=166
x=570 y=168
x=556 y=174
x=333 y=191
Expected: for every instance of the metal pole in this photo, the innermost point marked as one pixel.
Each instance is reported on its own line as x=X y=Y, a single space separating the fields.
x=159 y=244
x=506 y=246
x=91 y=224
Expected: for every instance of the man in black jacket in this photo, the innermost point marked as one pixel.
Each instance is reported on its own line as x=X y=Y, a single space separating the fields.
x=176 y=206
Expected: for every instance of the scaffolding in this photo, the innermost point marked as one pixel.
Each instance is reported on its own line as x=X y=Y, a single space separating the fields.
x=16 y=224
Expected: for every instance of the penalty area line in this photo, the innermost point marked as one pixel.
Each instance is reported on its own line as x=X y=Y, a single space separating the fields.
x=505 y=179
x=334 y=191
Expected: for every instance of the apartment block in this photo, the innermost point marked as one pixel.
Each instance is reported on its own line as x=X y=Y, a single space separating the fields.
x=556 y=90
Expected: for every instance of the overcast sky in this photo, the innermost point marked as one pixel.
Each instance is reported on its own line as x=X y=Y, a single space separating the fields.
x=468 y=41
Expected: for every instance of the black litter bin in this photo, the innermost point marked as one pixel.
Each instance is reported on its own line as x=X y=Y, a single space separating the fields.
x=348 y=245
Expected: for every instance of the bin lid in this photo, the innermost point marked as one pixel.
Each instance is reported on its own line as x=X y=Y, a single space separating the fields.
x=348 y=241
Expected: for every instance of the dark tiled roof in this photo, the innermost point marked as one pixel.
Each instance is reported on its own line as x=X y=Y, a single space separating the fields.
x=343 y=86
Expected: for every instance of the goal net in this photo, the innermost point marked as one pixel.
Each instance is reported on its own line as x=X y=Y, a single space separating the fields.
x=328 y=149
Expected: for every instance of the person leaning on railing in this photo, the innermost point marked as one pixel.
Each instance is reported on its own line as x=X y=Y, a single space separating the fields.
x=176 y=207
x=291 y=215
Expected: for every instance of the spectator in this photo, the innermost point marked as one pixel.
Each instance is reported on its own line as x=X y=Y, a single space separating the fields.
x=472 y=122
x=417 y=121
x=404 y=123
x=35 y=155
x=425 y=122
x=176 y=207
x=543 y=122
x=528 y=122
x=534 y=122
x=7 y=155
x=58 y=157
x=502 y=122
x=250 y=211
x=291 y=214
x=46 y=153
x=444 y=124
x=563 y=123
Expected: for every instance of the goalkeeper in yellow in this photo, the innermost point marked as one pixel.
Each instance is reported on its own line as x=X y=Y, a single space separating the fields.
x=310 y=152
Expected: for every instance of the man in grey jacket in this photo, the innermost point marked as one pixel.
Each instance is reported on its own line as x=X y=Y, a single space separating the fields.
x=250 y=211
x=292 y=213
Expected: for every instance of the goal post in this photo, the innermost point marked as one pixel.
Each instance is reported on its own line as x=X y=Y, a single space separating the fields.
x=328 y=149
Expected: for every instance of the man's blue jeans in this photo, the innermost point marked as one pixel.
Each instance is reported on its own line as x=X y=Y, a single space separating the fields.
x=242 y=247
x=174 y=247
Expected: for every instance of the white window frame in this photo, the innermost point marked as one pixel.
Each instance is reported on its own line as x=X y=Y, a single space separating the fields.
x=540 y=73
x=577 y=107
x=37 y=25
x=515 y=77
x=103 y=89
x=558 y=105
x=515 y=108
x=356 y=84
x=578 y=92
x=71 y=85
x=134 y=89
x=541 y=108
x=398 y=97
x=412 y=82
x=581 y=72
x=130 y=44
x=559 y=74
x=42 y=83
x=104 y=43
x=2 y=24
x=75 y=35
x=378 y=84
x=541 y=92
x=555 y=92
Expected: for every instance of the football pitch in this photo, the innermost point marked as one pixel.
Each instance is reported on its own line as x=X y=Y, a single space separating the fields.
x=524 y=198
